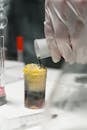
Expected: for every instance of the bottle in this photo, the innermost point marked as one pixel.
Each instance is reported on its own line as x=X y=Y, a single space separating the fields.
x=41 y=48
x=19 y=45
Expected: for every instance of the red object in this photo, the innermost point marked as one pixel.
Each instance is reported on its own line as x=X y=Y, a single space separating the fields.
x=20 y=43
x=2 y=91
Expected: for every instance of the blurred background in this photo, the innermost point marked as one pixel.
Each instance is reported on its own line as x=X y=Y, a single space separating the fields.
x=26 y=19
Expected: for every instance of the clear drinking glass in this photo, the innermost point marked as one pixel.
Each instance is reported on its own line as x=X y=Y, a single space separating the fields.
x=35 y=85
x=3 y=23
x=2 y=57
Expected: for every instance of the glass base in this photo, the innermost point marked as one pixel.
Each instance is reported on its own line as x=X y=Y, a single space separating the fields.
x=3 y=100
x=34 y=100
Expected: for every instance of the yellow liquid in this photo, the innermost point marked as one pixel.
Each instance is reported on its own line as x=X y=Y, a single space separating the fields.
x=35 y=77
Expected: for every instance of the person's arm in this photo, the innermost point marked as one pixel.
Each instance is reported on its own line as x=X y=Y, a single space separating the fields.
x=65 y=29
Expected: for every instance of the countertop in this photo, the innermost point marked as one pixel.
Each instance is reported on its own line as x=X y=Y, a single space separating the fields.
x=14 y=115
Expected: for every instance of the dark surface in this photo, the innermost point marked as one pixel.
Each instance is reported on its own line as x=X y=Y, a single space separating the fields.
x=26 y=18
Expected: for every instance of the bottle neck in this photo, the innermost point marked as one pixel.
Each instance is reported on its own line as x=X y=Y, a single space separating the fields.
x=41 y=48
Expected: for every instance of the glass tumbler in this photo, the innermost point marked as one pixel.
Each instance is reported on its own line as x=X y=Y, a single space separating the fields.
x=35 y=85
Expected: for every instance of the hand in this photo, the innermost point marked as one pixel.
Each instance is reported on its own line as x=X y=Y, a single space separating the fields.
x=78 y=32
x=65 y=29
